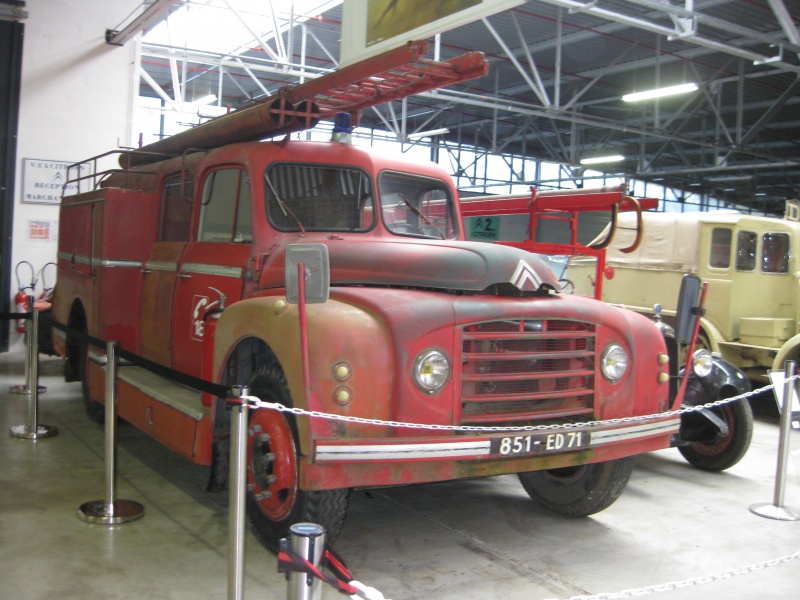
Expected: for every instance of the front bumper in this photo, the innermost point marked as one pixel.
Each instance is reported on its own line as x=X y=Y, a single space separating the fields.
x=534 y=443
x=377 y=462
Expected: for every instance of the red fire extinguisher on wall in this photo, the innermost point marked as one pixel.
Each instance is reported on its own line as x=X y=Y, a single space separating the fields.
x=21 y=299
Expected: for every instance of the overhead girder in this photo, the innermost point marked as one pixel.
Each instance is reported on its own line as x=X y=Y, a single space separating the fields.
x=554 y=113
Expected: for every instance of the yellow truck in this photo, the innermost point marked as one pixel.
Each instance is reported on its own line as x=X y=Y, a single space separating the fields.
x=752 y=309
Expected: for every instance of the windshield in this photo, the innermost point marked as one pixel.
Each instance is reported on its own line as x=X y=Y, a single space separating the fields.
x=417 y=206
x=318 y=198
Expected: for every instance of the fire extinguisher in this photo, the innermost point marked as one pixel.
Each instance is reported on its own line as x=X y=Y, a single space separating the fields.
x=45 y=299
x=21 y=299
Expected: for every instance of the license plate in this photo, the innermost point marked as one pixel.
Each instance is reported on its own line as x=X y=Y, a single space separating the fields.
x=540 y=443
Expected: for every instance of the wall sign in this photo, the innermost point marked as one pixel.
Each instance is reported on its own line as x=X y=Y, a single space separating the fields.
x=43 y=180
x=385 y=24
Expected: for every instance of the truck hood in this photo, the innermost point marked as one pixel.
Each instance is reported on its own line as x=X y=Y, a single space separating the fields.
x=449 y=265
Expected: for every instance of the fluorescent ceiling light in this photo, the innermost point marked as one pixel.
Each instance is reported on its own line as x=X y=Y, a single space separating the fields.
x=422 y=134
x=730 y=178
x=667 y=91
x=208 y=112
x=205 y=100
x=602 y=159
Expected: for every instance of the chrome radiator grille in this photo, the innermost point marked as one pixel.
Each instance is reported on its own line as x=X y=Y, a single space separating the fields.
x=526 y=369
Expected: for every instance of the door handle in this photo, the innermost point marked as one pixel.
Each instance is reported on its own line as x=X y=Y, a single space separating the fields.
x=184 y=275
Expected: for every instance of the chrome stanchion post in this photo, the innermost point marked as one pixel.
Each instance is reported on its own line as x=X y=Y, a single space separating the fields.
x=32 y=430
x=777 y=510
x=236 y=495
x=307 y=540
x=110 y=510
x=31 y=354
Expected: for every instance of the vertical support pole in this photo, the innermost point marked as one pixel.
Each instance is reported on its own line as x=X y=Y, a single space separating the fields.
x=236 y=495
x=307 y=540
x=110 y=510
x=785 y=429
x=110 y=426
x=777 y=510
x=32 y=430
x=301 y=309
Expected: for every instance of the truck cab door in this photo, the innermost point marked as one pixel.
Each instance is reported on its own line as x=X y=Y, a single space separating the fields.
x=161 y=267
x=212 y=265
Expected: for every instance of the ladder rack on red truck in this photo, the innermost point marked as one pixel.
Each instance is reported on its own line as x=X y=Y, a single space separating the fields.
x=393 y=75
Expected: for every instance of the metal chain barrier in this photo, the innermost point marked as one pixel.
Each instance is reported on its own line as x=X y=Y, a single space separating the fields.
x=359 y=590
x=675 y=585
x=630 y=593
x=258 y=403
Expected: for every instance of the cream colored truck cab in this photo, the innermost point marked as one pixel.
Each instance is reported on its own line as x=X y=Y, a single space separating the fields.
x=750 y=263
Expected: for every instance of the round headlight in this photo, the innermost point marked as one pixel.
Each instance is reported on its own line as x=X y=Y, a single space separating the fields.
x=431 y=370
x=702 y=363
x=614 y=362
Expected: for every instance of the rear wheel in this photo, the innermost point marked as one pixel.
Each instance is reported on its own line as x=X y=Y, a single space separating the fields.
x=579 y=491
x=76 y=366
x=274 y=498
x=725 y=452
x=94 y=409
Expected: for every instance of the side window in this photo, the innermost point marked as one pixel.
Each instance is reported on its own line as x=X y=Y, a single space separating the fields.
x=176 y=209
x=225 y=214
x=775 y=253
x=417 y=206
x=720 y=248
x=746 y=242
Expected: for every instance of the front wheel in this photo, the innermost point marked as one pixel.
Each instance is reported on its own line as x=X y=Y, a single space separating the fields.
x=274 y=498
x=579 y=491
x=724 y=452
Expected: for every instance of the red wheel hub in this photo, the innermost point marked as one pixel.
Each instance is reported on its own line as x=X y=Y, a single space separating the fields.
x=271 y=463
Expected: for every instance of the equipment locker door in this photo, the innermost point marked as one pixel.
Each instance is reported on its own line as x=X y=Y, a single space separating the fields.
x=161 y=268
x=213 y=263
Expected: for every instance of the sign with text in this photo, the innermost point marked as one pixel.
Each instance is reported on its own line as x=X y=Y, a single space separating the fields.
x=483 y=229
x=387 y=24
x=43 y=180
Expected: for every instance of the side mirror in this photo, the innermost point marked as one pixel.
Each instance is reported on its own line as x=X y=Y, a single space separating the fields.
x=316 y=261
x=688 y=301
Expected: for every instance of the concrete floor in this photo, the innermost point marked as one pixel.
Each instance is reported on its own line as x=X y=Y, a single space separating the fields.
x=471 y=539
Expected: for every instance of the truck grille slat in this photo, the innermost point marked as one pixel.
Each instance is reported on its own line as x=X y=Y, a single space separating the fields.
x=527 y=369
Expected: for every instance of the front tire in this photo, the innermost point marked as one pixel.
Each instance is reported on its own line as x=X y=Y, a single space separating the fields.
x=579 y=491
x=724 y=453
x=274 y=498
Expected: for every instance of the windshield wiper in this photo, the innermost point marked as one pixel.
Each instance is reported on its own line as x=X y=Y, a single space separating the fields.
x=423 y=217
x=284 y=209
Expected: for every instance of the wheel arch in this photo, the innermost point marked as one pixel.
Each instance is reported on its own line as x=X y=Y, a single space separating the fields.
x=791 y=349
x=712 y=334
x=73 y=344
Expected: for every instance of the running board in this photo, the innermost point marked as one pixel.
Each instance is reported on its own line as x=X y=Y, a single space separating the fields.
x=181 y=398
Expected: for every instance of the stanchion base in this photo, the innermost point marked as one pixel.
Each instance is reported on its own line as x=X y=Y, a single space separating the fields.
x=99 y=511
x=24 y=390
x=779 y=513
x=24 y=432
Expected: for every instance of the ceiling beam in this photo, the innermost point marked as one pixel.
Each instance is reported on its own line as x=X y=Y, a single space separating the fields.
x=155 y=13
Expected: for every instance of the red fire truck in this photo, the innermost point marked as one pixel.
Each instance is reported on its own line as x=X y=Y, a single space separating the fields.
x=180 y=256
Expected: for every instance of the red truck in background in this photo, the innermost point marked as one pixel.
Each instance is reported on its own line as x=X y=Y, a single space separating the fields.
x=181 y=259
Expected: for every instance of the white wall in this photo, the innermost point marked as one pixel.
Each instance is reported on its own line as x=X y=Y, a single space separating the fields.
x=76 y=101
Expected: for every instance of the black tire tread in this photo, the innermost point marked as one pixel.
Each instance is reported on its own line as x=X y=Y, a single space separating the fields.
x=610 y=477
x=731 y=453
